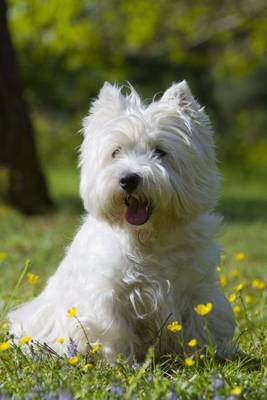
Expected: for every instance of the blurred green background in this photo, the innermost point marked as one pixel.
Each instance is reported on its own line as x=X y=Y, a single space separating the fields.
x=67 y=49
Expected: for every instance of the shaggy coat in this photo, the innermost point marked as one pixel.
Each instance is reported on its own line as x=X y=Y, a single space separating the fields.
x=145 y=254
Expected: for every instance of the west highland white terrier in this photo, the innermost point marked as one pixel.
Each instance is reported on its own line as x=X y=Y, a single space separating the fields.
x=145 y=254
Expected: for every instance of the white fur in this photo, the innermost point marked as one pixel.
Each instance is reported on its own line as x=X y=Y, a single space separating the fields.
x=127 y=281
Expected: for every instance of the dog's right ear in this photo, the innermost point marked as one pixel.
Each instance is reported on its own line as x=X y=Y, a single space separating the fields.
x=110 y=100
x=109 y=104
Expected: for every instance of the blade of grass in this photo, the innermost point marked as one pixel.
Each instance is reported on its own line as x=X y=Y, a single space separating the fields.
x=11 y=297
x=141 y=372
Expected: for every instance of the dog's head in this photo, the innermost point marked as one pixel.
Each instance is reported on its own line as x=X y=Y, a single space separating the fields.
x=147 y=163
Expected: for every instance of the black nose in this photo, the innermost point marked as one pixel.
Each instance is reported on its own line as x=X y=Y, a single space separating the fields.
x=130 y=182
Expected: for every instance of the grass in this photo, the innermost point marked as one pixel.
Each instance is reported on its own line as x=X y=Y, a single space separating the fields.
x=42 y=240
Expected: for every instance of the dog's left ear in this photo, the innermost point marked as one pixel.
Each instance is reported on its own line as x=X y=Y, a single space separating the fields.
x=179 y=98
x=180 y=95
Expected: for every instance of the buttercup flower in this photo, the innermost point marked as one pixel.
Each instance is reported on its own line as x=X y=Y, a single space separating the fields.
x=203 y=309
x=189 y=362
x=240 y=256
x=232 y=297
x=237 y=309
x=96 y=348
x=72 y=312
x=88 y=366
x=258 y=284
x=174 y=326
x=32 y=278
x=25 y=339
x=60 y=340
x=223 y=280
x=239 y=287
x=192 y=343
x=237 y=390
x=4 y=346
x=73 y=360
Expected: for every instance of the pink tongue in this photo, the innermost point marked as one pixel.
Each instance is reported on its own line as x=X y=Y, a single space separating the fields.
x=137 y=212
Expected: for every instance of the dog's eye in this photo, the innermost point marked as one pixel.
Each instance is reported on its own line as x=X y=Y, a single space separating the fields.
x=159 y=152
x=116 y=152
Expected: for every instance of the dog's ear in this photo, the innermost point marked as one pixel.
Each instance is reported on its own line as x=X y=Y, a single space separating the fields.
x=109 y=104
x=179 y=98
x=109 y=99
x=180 y=95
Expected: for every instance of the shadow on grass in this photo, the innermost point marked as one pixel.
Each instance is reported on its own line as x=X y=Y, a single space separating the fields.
x=246 y=210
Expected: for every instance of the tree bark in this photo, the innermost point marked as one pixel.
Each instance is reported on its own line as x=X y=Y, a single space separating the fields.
x=27 y=189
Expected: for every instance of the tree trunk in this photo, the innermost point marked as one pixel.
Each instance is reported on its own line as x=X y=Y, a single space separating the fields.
x=27 y=188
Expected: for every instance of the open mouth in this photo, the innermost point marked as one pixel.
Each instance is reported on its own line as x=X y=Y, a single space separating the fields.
x=138 y=211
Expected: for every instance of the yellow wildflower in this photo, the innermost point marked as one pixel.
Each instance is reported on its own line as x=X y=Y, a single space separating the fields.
x=236 y=391
x=223 y=280
x=174 y=326
x=237 y=309
x=240 y=256
x=232 y=297
x=203 y=309
x=192 y=343
x=88 y=366
x=239 y=287
x=25 y=339
x=60 y=340
x=218 y=268
x=72 y=312
x=234 y=273
x=249 y=299
x=258 y=284
x=32 y=278
x=96 y=348
x=189 y=362
x=3 y=255
x=4 y=346
x=73 y=360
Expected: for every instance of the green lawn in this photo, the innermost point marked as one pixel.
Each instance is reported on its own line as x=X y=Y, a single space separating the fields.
x=42 y=240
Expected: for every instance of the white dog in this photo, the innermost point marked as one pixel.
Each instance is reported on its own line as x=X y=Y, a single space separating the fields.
x=145 y=254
